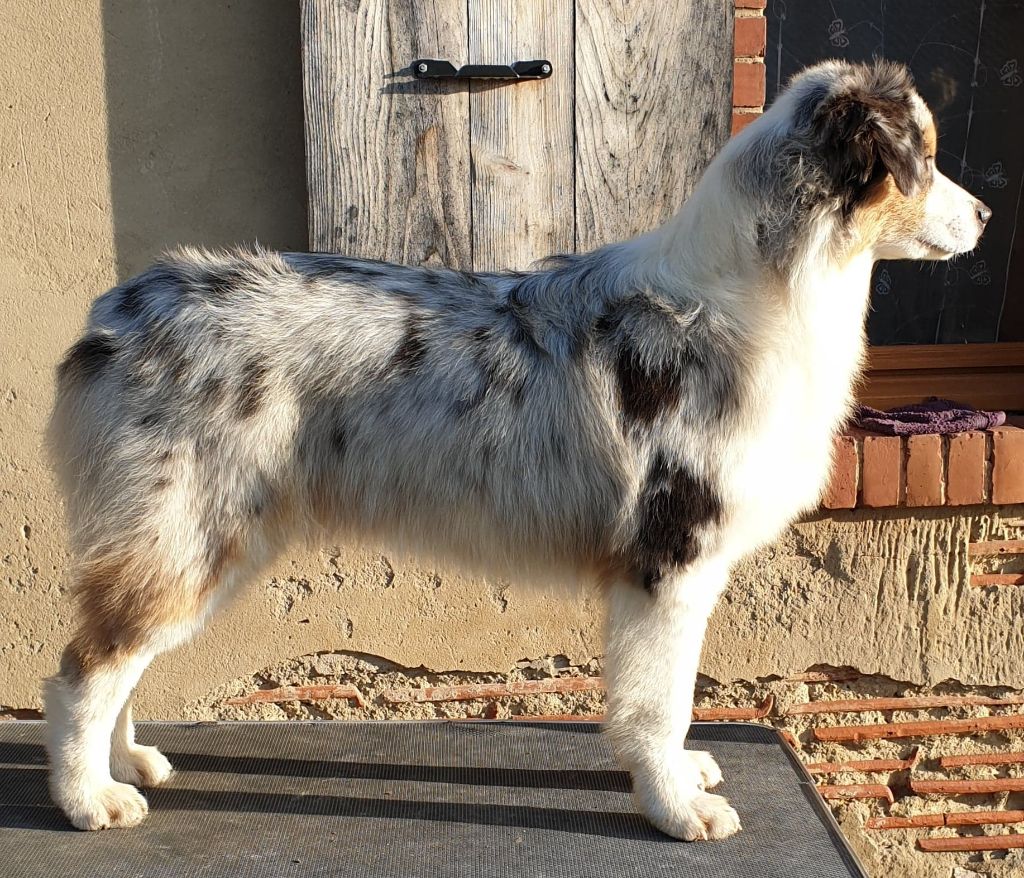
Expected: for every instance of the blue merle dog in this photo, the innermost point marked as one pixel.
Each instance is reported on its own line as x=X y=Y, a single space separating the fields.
x=641 y=416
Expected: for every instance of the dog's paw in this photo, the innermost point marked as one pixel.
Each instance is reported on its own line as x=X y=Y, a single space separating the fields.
x=140 y=766
x=711 y=774
x=675 y=803
x=109 y=806
x=715 y=818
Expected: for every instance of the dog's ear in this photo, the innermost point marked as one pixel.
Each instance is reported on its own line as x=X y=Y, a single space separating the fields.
x=868 y=126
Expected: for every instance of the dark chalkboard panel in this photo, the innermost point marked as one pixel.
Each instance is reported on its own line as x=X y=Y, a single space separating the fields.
x=967 y=57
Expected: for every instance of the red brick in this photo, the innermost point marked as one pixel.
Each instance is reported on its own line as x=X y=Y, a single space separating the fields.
x=965 y=473
x=924 y=471
x=883 y=460
x=1008 y=465
x=748 y=88
x=842 y=486
x=300 y=693
x=750 y=4
x=471 y=691
x=742 y=120
x=751 y=35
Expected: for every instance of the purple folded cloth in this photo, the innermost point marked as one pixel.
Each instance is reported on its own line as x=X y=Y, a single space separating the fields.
x=934 y=415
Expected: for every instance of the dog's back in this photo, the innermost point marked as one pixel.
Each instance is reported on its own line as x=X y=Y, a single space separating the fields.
x=217 y=404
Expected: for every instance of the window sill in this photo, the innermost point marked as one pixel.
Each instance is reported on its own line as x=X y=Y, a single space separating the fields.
x=988 y=376
x=874 y=471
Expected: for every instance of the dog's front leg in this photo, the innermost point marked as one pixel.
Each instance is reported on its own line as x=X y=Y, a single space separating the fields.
x=653 y=647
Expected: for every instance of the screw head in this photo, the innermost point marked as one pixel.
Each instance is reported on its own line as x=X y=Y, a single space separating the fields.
x=545 y=68
x=422 y=68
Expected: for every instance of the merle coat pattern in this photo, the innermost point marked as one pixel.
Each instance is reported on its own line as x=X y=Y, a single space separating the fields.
x=640 y=416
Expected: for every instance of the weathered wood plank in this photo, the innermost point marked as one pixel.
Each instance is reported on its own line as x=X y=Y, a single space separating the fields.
x=521 y=134
x=653 y=105
x=387 y=156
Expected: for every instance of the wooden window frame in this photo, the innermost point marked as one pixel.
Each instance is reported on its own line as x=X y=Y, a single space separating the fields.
x=989 y=376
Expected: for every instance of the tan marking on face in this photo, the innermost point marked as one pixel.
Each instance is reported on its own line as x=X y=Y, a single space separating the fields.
x=887 y=215
x=931 y=138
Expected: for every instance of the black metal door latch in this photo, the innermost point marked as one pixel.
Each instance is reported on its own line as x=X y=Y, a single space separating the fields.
x=426 y=68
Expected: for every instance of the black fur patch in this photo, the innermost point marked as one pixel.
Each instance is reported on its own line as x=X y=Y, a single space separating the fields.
x=211 y=391
x=869 y=129
x=252 y=388
x=161 y=279
x=470 y=279
x=205 y=446
x=519 y=327
x=87 y=358
x=411 y=350
x=178 y=369
x=482 y=341
x=224 y=283
x=805 y=111
x=130 y=304
x=327 y=267
x=645 y=391
x=339 y=440
x=697 y=362
x=672 y=509
x=717 y=366
x=367 y=268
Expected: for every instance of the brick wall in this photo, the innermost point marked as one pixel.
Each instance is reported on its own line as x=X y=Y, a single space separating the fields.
x=959 y=470
x=749 y=73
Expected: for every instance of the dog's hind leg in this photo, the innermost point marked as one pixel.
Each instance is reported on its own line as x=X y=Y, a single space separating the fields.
x=133 y=608
x=132 y=763
x=82 y=704
x=653 y=648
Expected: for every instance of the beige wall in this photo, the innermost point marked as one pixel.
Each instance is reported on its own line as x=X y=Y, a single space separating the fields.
x=126 y=126
x=131 y=126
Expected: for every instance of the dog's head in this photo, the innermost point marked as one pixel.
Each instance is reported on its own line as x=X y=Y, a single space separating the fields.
x=857 y=144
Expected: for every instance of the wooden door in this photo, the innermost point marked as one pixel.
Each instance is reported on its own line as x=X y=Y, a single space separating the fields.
x=488 y=175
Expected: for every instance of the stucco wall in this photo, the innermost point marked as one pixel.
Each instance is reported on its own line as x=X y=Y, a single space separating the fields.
x=128 y=127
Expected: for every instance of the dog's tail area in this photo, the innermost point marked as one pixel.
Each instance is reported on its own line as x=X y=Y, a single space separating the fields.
x=154 y=541
x=83 y=365
x=107 y=387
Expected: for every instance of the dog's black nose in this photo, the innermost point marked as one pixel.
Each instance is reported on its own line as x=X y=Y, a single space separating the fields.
x=984 y=214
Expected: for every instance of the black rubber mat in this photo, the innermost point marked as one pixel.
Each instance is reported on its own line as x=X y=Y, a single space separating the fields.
x=404 y=800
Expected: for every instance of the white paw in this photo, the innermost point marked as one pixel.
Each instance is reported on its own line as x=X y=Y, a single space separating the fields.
x=106 y=807
x=675 y=803
x=140 y=766
x=711 y=774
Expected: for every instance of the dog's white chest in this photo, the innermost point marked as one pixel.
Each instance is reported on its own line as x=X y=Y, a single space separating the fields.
x=783 y=455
